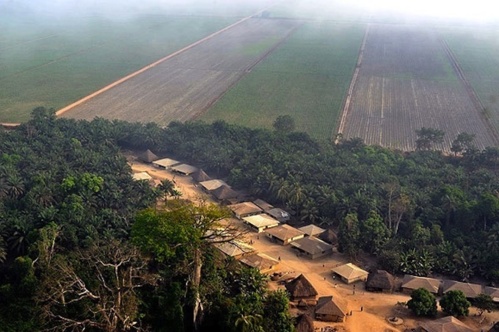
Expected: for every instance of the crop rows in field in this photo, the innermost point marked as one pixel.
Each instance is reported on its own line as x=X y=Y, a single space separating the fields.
x=53 y=63
x=306 y=77
x=184 y=85
x=476 y=50
x=406 y=81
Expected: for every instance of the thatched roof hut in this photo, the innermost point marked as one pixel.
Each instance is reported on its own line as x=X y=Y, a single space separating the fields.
x=200 y=176
x=380 y=281
x=224 y=193
x=330 y=237
x=148 y=156
x=304 y=323
x=331 y=309
x=300 y=288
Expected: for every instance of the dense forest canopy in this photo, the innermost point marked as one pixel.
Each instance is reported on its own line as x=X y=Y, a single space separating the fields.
x=70 y=212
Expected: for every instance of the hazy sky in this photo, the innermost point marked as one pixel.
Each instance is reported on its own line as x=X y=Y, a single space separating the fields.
x=467 y=9
x=477 y=10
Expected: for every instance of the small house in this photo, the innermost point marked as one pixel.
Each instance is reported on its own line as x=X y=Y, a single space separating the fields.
x=411 y=283
x=200 y=176
x=263 y=205
x=142 y=176
x=492 y=292
x=284 y=234
x=262 y=262
x=260 y=222
x=330 y=237
x=225 y=194
x=147 y=157
x=165 y=163
x=380 y=281
x=244 y=209
x=211 y=185
x=279 y=214
x=301 y=289
x=304 y=323
x=350 y=273
x=471 y=291
x=312 y=230
x=234 y=248
x=445 y=324
x=184 y=169
x=331 y=309
x=312 y=247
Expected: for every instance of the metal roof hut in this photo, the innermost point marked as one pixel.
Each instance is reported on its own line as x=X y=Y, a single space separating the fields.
x=305 y=323
x=471 y=291
x=312 y=247
x=261 y=262
x=410 y=283
x=330 y=237
x=312 y=230
x=446 y=324
x=331 y=309
x=300 y=288
x=492 y=292
x=200 y=176
x=380 y=281
x=148 y=156
x=350 y=273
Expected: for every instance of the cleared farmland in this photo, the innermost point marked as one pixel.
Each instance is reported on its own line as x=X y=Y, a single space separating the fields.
x=306 y=77
x=186 y=84
x=406 y=81
x=476 y=50
x=52 y=63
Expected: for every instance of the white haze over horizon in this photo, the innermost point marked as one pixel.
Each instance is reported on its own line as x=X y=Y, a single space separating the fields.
x=477 y=10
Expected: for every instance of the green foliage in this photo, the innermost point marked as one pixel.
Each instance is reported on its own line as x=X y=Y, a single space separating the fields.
x=428 y=137
x=373 y=233
x=349 y=234
x=484 y=303
x=423 y=303
x=277 y=316
x=284 y=124
x=454 y=303
x=165 y=234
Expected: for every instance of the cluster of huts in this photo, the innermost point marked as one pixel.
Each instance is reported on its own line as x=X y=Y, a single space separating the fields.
x=440 y=287
x=325 y=308
x=313 y=242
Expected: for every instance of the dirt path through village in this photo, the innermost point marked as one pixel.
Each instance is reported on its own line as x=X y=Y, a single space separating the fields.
x=376 y=307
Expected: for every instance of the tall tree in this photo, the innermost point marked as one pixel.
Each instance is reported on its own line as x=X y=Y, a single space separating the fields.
x=454 y=303
x=428 y=137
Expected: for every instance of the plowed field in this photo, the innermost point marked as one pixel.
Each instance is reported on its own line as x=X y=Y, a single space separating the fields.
x=187 y=84
x=407 y=80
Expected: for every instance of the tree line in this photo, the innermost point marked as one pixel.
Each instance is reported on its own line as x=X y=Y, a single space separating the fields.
x=83 y=246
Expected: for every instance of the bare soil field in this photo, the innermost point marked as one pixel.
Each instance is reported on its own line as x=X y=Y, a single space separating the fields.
x=407 y=80
x=187 y=84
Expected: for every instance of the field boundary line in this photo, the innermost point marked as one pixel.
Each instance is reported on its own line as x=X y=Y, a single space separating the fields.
x=346 y=106
x=475 y=100
x=247 y=70
x=140 y=71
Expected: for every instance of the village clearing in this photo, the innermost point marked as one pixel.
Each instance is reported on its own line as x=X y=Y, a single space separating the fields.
x=377 y=307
